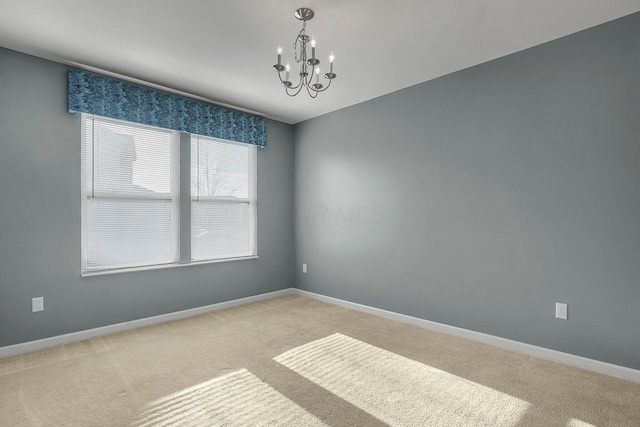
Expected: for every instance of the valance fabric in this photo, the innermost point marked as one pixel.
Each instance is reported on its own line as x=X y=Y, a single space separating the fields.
x=103 y=96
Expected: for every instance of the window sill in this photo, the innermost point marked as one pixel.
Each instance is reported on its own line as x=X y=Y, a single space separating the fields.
x=90 y=273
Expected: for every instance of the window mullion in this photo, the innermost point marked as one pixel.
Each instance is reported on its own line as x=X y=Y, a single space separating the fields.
x=184 y=194
x=113 y=195
x=221 y=199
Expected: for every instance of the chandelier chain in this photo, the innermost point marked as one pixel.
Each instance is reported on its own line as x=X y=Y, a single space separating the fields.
x=302 y=35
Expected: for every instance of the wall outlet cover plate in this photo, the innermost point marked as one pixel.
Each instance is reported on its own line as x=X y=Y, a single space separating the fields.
x=561 y=310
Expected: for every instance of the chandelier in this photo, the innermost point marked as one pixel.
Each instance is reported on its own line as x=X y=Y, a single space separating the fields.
x=309 y=66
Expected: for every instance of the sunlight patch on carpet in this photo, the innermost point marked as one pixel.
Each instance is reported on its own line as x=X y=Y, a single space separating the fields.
x=236 y=399
x=577 y=423
x=398 y=390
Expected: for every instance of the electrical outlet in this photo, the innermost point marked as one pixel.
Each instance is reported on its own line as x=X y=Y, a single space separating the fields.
x=304 y=268
x=561 y=310
x=37 y=304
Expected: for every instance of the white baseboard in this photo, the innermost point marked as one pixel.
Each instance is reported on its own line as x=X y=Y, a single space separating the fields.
x=558 y=356
x=147 y=321
x=545 y=353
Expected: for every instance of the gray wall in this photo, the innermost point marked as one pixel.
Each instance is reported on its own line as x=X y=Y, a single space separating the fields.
x=40 y=222
x=481 y=198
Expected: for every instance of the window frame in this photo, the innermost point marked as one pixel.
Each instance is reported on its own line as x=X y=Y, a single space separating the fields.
x=182 y=240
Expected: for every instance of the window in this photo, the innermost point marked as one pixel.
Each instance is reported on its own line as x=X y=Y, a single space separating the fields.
x=129 y=203
x=223 y=193
x=131 y=192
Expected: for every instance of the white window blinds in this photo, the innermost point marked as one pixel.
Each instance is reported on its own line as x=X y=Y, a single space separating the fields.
x=223 y=194
x=129 y=203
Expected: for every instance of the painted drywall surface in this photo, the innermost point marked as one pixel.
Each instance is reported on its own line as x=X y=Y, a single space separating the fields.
x=40 y=222
x=483 y=197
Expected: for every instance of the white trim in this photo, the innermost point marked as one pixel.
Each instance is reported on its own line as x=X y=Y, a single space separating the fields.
x=125 y=326
x=545 y=353
x=533 y=350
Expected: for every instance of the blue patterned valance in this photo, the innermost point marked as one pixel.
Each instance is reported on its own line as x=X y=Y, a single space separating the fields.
x=102 y=96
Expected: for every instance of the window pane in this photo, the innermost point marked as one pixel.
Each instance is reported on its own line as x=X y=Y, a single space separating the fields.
x=220 y=230
x=219 y=169
x=130 y=232
x=131 y=159
x=221 y=173
x=129 y=206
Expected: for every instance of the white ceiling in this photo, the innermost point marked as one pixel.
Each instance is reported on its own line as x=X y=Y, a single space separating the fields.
x=223 y=51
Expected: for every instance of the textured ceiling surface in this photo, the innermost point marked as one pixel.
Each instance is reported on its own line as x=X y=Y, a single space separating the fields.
x=223 y=51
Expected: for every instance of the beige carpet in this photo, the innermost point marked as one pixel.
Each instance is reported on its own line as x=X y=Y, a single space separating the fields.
x=298 y=362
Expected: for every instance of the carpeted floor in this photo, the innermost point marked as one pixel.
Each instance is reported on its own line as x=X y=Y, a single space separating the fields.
x=299 y=362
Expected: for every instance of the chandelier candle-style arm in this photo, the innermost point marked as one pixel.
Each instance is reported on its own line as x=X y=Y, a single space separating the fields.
x=278 y=67
x=300 y=56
